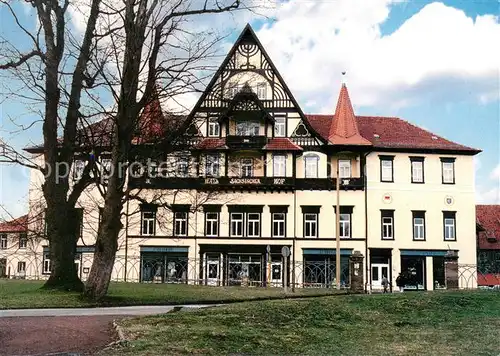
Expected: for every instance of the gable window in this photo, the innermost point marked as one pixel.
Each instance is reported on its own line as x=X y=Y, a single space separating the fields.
x=182 y=166
x=213 y=127
x=236 y=224
x=279 y=126
x=311 y=166
x=417 y=169
x=180 y=223
x=212 y=165
x=23 y=240
x=253 y=225
x=232 y=90
x=279 y=166
x=246 y=167
x=345 y=221
x=78 y=167
x=449 y=223
x=387 y=224
x=419 y=225
x=148 y=219
x=448 y=170
x=3 y=241
x=261 y=91
x=247 y=128
x=344 y=168
x=386 y=168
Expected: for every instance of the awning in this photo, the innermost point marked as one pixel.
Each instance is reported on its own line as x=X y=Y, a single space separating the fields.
x=439 y=253
x=164 y=249
x=326 y=251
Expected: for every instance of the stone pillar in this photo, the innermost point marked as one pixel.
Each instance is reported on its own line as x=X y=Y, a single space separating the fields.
x=429 y=273
x=451 y=269
x=356 y=272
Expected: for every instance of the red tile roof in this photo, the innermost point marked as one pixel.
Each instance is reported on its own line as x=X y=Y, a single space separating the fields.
x=488 y=217
x=281 y=144
x=17 y=225
x=391 y=133
x=212 y=144
x=344 y=128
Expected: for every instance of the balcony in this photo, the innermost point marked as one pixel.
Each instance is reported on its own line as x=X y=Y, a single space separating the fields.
x=245 y=142
x=329 y=184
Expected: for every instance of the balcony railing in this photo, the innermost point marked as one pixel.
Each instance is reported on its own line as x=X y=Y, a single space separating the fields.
x=253 y=183
x=238 y=142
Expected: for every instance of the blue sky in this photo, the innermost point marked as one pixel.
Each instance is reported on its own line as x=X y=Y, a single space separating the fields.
x=434 y=64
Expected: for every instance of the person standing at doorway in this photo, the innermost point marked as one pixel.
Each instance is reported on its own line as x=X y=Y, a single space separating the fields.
x=385 y=284
x=400 y=282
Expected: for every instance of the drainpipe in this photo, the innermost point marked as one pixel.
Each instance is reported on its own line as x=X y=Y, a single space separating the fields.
x=365 y=182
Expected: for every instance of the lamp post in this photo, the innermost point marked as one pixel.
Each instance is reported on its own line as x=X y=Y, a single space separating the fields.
x=337 y=228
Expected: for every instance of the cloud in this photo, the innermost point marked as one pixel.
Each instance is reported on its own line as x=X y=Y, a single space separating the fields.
x=436 y=54
x=495 y=173
x=486 y=193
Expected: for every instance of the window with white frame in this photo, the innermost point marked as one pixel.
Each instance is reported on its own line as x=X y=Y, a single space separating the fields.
x=182 y=166
x=261 y=91
x=311 y=166
x=387 y=224
x=311 y=225
x=180 y=223
x=417 y=169
x=212 y=165
x=386 y=169
x=449 y=222
x=344 y=168
x=21 y=267
x=236 y=224
x=3 y=241
x=345 y=225
x=418 y=225
x=213 y=127
x=448 y=170
x=23 y=240
x=78 y=167
x=278 y=222
x=246 y=167
x=279 y=166
x=253 y=224
x=279 y=126
x=247 y=128
x=212 y=224
x=148 y=222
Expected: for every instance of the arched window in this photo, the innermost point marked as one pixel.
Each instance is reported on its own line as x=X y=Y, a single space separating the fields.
x=311 y=165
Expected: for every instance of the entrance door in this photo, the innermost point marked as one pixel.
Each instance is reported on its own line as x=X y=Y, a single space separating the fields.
x=379 y=270
x=213 y=272
x=276 y=274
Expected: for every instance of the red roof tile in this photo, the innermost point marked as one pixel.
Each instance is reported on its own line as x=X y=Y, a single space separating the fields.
x=212 y=144
x=17 y=225
x=344 y=128
x=281 y=144
x=488 y=217
x=391 y=133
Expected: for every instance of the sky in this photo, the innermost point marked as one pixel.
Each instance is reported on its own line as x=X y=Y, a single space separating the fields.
x=435 y=64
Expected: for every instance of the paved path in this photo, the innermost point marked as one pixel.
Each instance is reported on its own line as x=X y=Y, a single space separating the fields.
x=117 y=311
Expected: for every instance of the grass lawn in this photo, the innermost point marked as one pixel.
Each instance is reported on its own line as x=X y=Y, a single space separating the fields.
x=15 y=294
x=439 y=323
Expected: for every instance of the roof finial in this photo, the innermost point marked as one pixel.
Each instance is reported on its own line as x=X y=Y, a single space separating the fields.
x=343 y=77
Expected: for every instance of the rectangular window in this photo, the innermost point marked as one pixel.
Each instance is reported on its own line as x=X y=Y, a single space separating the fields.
x=180 y=223
x=232 y=90
x=344 y=168
x=21 y=267
x=261 y=91
x=148 y=222
x=310 y=225
x=105 y=169
x=417 y=169
x=387 y=224
x=386 y=169
x=212 y=165
x=253 y=224
x=78 y=167
x=279 y=166
x=247 y=128
x=278 y=221
x=448 y=170
x=419 y=225
x=3 y=241
x=212 y=224
x=182 y=166
x=449 y=223
x=246 y=166
x=345 y=225
x=47 y=264
x=311 y=166
x=213 y=127
x=236 y=224
x=23 y=240
x=279 y=126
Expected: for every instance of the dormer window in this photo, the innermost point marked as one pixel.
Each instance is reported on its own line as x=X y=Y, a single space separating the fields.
x=247 y=128
x=280 y=126
x=213 y=127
